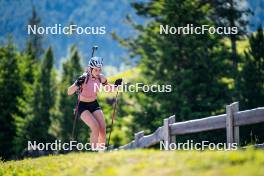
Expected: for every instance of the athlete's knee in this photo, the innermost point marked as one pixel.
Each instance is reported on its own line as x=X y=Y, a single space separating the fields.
x=95 y=128
x=85 y=117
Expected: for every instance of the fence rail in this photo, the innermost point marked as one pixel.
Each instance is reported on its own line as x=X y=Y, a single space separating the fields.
x=229 y=121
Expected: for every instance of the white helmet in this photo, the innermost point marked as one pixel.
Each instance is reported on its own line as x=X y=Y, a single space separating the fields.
x=96 y=62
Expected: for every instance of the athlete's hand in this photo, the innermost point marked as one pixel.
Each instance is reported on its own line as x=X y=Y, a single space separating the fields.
x=80 y=80
x=118 y=82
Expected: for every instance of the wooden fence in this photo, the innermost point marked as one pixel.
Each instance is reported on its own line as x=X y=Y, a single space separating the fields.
x=170 y=129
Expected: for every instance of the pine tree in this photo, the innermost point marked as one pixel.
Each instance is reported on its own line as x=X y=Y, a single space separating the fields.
x=35 y=126
x=28 y=65
x=253 y=72
x=231 y=13
x=35 y=41
x=29 y=61
x=44 y=95
x=252 y=85
x=27 y=68
x=11 y=89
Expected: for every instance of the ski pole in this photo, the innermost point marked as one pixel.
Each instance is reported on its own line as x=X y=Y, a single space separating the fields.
x=76 y=113
x=94 y=49
x=113 y=118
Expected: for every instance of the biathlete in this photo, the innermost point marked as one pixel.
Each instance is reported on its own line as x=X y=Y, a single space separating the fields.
x=89 y=109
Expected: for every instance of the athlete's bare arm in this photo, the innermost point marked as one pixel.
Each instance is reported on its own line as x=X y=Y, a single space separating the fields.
x=111 y=87
x=72 y=89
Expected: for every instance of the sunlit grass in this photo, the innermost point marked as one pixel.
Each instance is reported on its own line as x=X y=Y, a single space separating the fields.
x=142 y=163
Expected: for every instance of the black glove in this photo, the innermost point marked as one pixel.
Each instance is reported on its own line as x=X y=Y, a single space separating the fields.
x=80 y=80
x=118 y=82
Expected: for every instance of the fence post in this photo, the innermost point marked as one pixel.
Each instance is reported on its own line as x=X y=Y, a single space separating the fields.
x=137 y=137
x=172 y=119
x=232 y=132
x=168 y=138
x=236 y=128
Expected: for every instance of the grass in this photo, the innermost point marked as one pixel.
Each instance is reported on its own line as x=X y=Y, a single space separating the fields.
x=141 y=163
